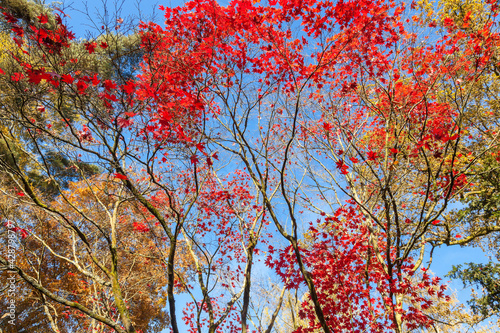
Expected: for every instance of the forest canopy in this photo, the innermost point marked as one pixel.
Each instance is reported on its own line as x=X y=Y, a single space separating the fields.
x=261 y=166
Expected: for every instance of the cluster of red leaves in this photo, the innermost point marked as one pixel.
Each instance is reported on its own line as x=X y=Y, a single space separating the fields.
x=232 y=324
x=140 y=227
x=219 y=204
x=349 y=279
x=51 y=43
x=53 y=40
x=203 y=44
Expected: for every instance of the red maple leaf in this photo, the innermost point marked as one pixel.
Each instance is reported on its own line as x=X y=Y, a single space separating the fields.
x=67 y=78
x=95 y=80
x=18 y=30
x=109 y=97
x=448 y=22
x=36 y=76
x=90 y=47
x=108 y=85
x=129 y=87
x=43 y=19
x=9 y=17
x=23 y=233
x=120 y=176
x=342 y=166
x=372 y=156
x=81 y=86
x=124 y=122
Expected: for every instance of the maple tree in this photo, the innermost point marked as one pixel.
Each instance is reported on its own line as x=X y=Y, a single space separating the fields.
x=326 y=141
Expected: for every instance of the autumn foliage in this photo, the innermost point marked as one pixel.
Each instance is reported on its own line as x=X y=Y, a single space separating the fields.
x=158 y=179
